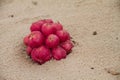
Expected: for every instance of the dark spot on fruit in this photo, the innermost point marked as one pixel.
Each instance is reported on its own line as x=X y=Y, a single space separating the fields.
x=94 y=33
x=34 y=3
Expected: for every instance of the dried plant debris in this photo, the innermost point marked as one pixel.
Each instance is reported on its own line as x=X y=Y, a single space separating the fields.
x=112 y=71
x=75 y=43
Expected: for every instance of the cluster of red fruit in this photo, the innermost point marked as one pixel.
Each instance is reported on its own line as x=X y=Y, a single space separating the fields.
x=47 y=40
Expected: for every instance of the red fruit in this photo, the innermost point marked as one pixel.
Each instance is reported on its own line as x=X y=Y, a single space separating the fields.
x=48 y=20
x=67 y=45
x=63 y=35
x=35 y=39
x=59 y=53
x=52 y=41
x=29 y=50
x=47 y=29
x=36 y=26
x=58 y=26
x=26 y=40
x=41 y=54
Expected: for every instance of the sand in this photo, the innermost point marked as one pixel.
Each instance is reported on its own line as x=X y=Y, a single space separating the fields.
x=93 y=24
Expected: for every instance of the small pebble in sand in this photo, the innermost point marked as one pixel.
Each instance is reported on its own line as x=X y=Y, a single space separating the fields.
x=34 y=2
x=92 y=68
x=12 y=16
x=116 y=38
x=94 y=33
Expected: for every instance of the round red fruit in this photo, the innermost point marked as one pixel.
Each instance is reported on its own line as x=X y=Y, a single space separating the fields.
x=47 y=29
x=63 y=35
x=59 y=53
x=58 y=26
x=41 y=54
x=29 y=50
x=52 y=41
x=35 y=39
x=26 y=38
x=48 y=20
x=36 y=26
x=67 y=45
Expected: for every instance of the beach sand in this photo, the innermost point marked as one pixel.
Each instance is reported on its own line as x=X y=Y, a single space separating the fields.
x=93 y=24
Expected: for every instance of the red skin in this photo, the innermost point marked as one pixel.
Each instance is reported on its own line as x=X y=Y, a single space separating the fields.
x=48 y=20
x=35 y=39
x=26 y=38
x=67 y=45
x=48 y=29
x=52 y=41
x=46 y=40
x=58 y=26
x=36 y=26
x=59 y=53
x=63 y=35
x=41 y=55
x=29 y=50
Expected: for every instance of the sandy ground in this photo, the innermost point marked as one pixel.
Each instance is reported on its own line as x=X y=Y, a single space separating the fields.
x=94 y=57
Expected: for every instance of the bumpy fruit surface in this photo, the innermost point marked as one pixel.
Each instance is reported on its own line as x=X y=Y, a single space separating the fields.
x=41 y=54
x=48 y=29
x=26 y=38
x=57 y=26
x=47 y=40
x=63 y=35
x=48 y=20
x=52 y=41
x=29 y=50
x=59 y=53
x=67 y=45
x=36 y=26
x=35 y=39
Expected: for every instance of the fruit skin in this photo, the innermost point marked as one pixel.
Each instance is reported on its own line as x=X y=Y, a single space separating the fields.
x=25 y=40
x=46 y=40
x=48 y=29
x=36 y=26
x=63 y=35
x=28 y=50
x=57 y=26
x=67 y=45
x=41 y=54
x=59 y=53
x=35 y=39
x=52 y=41
x=48 y=20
